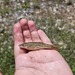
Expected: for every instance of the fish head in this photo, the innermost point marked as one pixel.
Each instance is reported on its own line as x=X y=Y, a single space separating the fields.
x=23 y=46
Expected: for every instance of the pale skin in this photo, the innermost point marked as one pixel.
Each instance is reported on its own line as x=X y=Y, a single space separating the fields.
x=41 y=62
x=0 y=73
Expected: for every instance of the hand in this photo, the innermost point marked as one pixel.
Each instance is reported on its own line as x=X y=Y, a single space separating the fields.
x=41 y=62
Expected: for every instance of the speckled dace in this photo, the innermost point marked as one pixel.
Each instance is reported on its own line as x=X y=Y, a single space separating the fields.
x=32 y=46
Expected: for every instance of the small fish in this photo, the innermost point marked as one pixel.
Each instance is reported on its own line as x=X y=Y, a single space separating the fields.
x=31 y=46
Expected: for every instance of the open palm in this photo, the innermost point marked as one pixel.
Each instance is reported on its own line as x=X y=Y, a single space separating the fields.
x=41 y=62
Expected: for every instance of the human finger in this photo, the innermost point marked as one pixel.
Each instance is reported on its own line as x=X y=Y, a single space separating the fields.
x=18 y=39
x=44 y=37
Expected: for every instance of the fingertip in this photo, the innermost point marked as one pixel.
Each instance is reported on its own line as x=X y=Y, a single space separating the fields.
x=24 y=24
x=31 y=22
x=39 y=31
x=23 y=21
x=17 y=27
x=31 y=25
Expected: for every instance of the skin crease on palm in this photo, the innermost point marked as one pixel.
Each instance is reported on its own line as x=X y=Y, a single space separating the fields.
x=42 y=62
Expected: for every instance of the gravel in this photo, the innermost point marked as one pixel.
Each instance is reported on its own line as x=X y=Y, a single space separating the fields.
x=57 y=19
